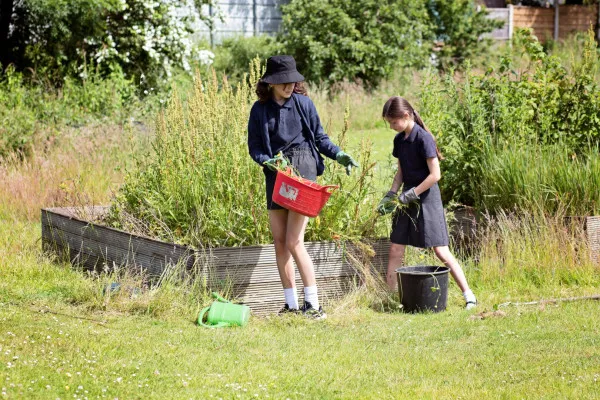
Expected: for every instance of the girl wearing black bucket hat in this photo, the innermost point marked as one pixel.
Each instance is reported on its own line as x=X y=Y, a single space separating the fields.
x=285 y=121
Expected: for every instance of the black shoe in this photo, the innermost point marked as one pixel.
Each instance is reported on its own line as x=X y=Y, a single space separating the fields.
x=309 y=311
x=287 y=310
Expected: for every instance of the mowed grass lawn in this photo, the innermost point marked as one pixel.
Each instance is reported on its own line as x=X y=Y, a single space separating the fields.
x=60 y=337
x=529 y=353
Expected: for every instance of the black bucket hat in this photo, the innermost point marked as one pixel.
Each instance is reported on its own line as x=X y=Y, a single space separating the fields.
x=281 y=69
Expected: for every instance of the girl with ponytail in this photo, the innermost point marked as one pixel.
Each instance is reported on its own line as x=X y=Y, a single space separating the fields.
x=422 y=222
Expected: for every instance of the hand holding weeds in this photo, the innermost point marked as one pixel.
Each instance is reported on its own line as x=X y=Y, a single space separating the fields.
x=388 y=204
x=408 y=196
x=276 y=163
x=347 y=161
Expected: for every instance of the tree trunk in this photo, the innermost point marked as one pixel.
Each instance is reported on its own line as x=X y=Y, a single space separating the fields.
x=6 y=10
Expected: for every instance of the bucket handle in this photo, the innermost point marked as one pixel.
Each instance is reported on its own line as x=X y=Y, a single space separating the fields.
x=330 y=188
x=201 y=317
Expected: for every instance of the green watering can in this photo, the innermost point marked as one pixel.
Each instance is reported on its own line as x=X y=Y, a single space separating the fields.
x=223 y=313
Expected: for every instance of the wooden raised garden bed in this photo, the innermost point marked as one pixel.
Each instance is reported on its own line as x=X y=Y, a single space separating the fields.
x=250 y=272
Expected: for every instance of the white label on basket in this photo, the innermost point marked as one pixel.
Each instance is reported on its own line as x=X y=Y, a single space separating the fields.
x=289 y=192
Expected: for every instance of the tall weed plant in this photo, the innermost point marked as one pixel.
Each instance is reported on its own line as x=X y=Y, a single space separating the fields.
x=199 y=186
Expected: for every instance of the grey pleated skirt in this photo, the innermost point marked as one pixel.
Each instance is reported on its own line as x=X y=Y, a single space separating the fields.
x=422 y=223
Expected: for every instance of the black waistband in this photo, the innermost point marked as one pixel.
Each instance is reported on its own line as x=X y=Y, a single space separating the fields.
x=302 y=148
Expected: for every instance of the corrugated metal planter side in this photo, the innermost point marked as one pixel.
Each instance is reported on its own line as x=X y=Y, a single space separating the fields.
x=592 y=229
x=249 y=272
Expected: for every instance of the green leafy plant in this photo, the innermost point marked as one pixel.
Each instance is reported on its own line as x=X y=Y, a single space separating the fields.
x=459 y=27
x=483 y=120
x=34 y=112
x=143 y=38
x=233 y=55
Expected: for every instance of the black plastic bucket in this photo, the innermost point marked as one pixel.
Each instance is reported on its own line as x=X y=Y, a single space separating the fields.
x=423 y=288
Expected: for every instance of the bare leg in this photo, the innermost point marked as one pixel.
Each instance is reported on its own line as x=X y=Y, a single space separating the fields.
x=278 y=221
x=443 y=253
x=296 y=225
x=396 y=259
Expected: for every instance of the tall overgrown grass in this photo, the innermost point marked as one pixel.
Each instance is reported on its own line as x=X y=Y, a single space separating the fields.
x=520 y=254
x=551 y=178
x=33 y=112
x=199 y=186
x=82 y=170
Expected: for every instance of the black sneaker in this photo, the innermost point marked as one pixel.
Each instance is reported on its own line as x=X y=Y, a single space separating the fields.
x=309 y=311
x=287 y=310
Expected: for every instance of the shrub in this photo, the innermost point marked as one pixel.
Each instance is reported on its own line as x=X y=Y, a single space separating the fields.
x=233 y=55
x=459 y=25
x=479 y=120
x=145 y=39
x=363 y=39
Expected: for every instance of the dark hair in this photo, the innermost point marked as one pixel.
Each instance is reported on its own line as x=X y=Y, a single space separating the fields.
x=399 y=107
x=264 y=93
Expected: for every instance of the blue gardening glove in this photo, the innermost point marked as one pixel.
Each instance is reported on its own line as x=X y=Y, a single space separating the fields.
x=276 y=163
x=347 y=161
x=408 y=196
x=387 y=204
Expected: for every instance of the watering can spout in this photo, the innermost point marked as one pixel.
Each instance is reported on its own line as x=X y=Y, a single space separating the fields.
x=219 y=298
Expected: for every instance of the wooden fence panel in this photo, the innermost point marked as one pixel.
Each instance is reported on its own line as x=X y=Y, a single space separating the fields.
x=572 y=18
x=541 y=20
x=576 y=19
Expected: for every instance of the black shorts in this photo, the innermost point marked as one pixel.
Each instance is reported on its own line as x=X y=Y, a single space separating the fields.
x=303 y=162
x=423 y=223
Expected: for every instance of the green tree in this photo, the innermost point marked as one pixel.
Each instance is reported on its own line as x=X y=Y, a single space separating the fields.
x=362 y=39
x=143 y=38
x=459 y=25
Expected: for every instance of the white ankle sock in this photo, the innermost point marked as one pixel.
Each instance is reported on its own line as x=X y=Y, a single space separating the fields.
x=469 y=296
x=310 y=295
x=291 y=298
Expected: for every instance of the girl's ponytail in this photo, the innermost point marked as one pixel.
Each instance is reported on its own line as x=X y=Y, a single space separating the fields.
x=398 y=107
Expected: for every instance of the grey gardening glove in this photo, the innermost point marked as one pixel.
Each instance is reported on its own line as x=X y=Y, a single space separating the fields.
x=408 y=196
x=276 y=163
x=387 y=204
x=347 y=161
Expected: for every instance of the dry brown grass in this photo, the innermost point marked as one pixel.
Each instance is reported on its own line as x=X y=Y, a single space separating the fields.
x=82 y=167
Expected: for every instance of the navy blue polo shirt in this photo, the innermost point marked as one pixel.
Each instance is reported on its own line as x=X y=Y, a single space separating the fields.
x=285 y=126
x=413 y=153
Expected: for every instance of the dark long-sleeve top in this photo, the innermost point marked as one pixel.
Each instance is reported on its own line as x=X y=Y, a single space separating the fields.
x=285 y=127
x=259 y=145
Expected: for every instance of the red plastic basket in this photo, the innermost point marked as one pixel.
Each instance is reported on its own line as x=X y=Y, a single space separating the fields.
x=300 y=195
